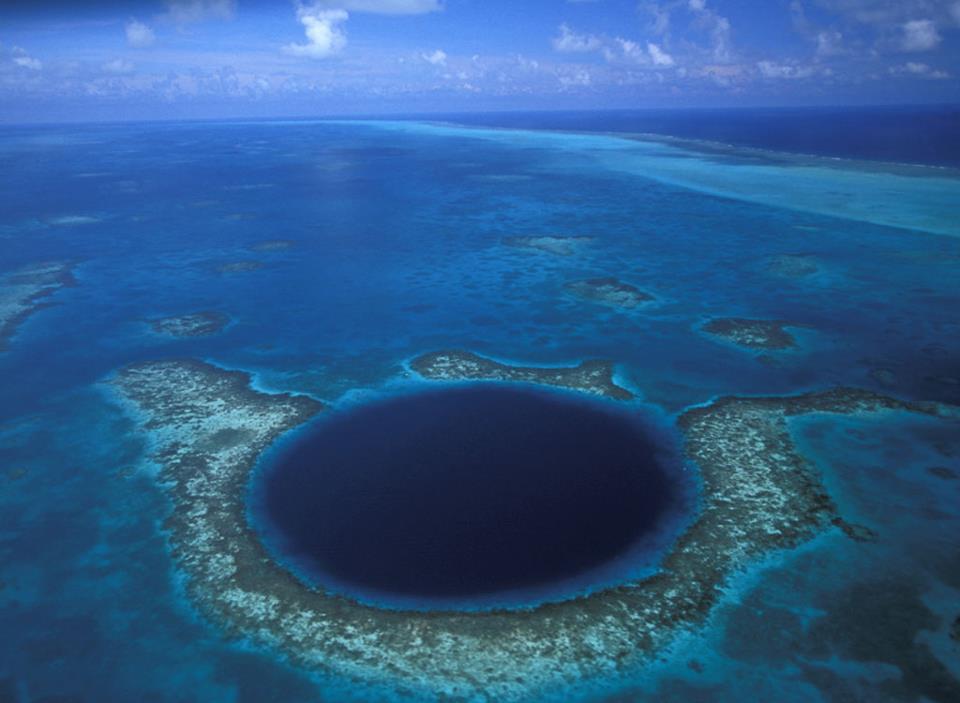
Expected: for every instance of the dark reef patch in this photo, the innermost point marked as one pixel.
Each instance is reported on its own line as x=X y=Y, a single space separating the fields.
x=272 y=245
x=196 y=324
x=944 y=472
x=793 y=265
x=610 y=291
x=449 y=497
x=239 y=266
x=768 y=335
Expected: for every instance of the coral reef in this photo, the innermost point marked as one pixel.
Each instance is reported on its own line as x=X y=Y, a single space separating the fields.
x=752 y=334
x=196 y=324
x=23 y=292
x=610 y=291
x=594 y=377
x=209 y=427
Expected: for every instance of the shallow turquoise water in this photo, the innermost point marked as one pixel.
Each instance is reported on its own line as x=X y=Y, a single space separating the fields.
x=398 y=234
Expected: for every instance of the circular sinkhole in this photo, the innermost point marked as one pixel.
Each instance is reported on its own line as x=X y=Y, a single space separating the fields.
x=471 y=498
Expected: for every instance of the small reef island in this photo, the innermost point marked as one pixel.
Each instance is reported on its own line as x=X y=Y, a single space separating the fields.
x=195 y=324
x=25 y=290
x=769 y=335
x=759 y=495
x=609 y=291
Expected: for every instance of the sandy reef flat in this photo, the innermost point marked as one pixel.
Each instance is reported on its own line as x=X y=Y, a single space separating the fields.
x=208 y=427
x=23 y=292
x=768 y=335
x=195 y=324
x=610 y=291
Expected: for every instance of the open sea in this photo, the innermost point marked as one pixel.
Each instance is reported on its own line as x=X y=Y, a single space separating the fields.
x=396 y=241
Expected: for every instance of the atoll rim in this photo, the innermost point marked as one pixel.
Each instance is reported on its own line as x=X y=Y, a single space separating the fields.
x=759 y=496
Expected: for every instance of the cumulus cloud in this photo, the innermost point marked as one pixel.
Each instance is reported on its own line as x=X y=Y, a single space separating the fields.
x=118 y=66
x=920 y=70
x=829 y=43
x=24 y=61
x=716 y=25
x=579 y=78
x=659 y=56
x=630 y=50
x=323 y=21
x=139 y=35
x=325 y=36
x=438 y=57
x=190 y=11
x=920 y=35
x=568 y=41
x=784 y=71
x=382 y=7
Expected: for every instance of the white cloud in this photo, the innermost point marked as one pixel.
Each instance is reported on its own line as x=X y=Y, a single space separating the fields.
x=782 y=71
x=190 y=11
x=325 y=37
x=322 y=21
x=438 y=57
x=630 y=49
x=139 y=35
x=659 y=17
x=579 y=78
x=829 y=43
x=382 y=7
x=716 y=25
x=920 y=35
x=570 y=42
x=28 y=62
x=921 y=70
x=659 y=56
x=118 y=66
x=955 y=12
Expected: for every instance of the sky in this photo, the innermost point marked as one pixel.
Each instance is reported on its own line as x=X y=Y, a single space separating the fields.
x=64 y=60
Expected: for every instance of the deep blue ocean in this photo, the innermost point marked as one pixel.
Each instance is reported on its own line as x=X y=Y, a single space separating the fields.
x=400 y=236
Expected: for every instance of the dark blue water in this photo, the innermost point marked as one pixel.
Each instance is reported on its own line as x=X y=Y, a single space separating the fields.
x=922 y=134
x=464 y=492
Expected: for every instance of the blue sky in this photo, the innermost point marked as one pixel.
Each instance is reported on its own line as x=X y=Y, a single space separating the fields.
x=146 y=59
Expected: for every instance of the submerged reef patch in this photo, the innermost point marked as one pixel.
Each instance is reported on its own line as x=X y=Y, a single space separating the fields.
x=195 y=324
x=793 y=265
x=594 y=377
x=558 y=246
x=272 y=245
x=208 y=428
x=769 y=335
x=22 y=292
x=610 y=291
x=239 y=266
